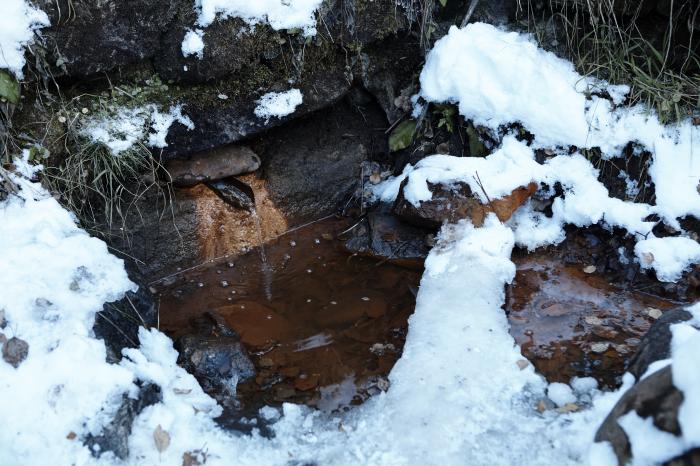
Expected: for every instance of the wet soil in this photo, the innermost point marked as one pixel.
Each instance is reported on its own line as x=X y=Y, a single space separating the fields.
x=322 y=327
x=570 y=321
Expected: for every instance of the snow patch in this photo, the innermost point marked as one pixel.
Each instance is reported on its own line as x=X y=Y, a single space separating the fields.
x=278 y=104
x=18 y=22
x=287 y=14
x=128 y=126
x=193 y=43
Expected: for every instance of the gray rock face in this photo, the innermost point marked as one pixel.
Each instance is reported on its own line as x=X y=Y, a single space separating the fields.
x=14 y=351
x=118 y=323
x=215 y=356
x=656 y=344
x=115 y=435
x=212 y=165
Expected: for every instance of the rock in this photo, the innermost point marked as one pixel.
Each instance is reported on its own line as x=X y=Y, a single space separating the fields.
x=115 y=435
x=118 y=323
x=381 y=235
x=312 y=166
x=453 y=203
x=234 y=192
x=212 y=165
x=215 y=356
x=120 y=32
x=3 y=321
x=655 y=397
x=14 y=351
x=656 y=343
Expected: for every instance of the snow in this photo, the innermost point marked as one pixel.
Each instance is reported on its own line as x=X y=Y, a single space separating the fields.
x=193 y=43
x=55 y=278
x=669 y=257
x=120 y=131
x=476 y=67
x=18 y=22
x=279 y=14
x=278 y=104
x=561 y=394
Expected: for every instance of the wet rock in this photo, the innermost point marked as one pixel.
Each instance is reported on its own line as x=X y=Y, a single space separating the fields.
x=212 y=165
x=215 y=356
x=14 y=351
x=655 y=397
x=456 y=202
x=115 y=435
x=118 y=323
x=656 y=344
x=381 y=235
x=235 y=193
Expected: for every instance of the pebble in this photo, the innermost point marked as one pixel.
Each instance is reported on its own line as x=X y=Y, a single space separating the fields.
x=14 y=351
x=589 y=269
x=522 y=364
x=593 y=320
x=224 y=283
x=600 y=347
x=654 y=313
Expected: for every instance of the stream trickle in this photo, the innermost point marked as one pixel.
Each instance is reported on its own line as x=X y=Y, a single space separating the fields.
x=266 y=270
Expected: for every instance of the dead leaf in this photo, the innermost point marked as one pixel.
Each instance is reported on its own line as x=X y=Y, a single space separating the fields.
x=161 y=438
x=71 y=435
x=191 y=458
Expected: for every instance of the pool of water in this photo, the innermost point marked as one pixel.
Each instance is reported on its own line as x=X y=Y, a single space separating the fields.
x=323 y=327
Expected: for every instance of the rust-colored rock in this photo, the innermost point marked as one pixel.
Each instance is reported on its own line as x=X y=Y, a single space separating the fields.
x=453 y=203
x=212 y=165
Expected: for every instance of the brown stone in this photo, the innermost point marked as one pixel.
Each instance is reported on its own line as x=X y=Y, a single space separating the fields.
x=212 y=165
x=456 y=202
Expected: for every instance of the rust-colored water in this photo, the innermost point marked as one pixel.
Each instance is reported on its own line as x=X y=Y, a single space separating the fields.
x=325 y=330
x=572 y=323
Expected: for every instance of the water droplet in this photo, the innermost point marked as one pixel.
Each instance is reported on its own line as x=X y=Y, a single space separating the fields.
x=308 y=300
x=200 y=285
x=365 y=298
x=218 y=272
x=224 y=283
x=317 y=241
x=334 y=302
x=233 y=291
x=309 y=271
x=230 y=265
x=229 y=299
x=292 y=243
